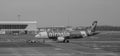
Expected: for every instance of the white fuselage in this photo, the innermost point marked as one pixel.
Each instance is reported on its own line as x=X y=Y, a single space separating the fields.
x=60 y=34
x=51 y=34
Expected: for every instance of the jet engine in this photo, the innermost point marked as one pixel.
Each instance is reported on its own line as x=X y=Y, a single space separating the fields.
x=62 y=39
x=42 y=35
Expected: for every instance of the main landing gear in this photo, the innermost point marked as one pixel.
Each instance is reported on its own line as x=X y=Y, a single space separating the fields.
x=66 y=41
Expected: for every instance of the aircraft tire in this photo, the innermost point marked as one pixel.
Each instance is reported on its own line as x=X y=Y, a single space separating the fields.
x=66 y=41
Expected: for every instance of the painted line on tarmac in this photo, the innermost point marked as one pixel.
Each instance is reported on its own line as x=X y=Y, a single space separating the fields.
x=58 y=49
x=61 y=54
x=99 y=41
x=101 y=54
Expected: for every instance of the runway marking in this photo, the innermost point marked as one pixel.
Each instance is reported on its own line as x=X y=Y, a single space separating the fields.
x=66 y=54
x=58 y=48
x=96 y=48
x=61 y=54
x=99 y=41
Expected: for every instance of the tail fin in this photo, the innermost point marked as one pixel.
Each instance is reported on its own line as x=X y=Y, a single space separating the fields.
x=93 y=27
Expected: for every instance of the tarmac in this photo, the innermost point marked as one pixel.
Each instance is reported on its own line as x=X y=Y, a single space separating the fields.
x=49 y=49
x=76 y=47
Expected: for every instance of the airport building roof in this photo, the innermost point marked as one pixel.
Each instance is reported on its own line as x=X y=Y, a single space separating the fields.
x=17 y=22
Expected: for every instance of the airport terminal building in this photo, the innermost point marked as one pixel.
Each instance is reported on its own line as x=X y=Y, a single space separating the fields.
x=18 y=27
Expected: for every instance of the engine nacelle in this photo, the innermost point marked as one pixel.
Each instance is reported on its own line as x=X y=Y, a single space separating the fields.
x=60 y=38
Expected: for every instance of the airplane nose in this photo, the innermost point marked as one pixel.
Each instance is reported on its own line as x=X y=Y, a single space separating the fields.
x=41 y=35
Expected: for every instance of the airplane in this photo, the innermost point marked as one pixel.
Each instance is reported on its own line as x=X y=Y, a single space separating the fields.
x=63 y=36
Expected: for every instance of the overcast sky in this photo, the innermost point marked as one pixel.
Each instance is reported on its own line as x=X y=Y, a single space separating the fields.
x=62 y=12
